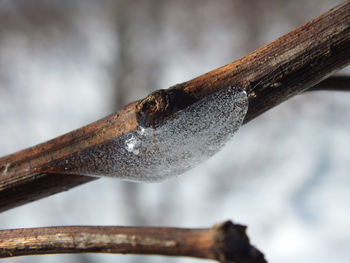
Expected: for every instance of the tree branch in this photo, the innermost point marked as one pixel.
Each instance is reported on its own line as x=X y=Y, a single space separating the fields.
x=225 y=242
x=270 y=75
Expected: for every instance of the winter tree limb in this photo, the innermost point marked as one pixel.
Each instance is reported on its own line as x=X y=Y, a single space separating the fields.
x=270 y=75
x=225 y=242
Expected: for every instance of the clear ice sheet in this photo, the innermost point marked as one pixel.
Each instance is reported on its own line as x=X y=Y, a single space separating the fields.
x=152 y=154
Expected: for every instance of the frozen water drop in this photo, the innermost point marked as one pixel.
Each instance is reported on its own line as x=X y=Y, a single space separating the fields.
x=189 y=137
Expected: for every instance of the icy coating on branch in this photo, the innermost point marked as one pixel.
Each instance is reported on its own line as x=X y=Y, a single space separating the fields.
x=188 y=138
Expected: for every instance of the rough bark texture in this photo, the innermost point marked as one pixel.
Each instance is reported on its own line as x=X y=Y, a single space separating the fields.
x=270 y=75
x=225 y=242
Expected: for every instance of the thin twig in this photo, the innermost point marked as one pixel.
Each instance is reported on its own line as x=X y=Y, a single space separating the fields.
x=225 y=242
x=270 y=75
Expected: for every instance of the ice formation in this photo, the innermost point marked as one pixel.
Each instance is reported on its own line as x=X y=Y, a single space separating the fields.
x=193 y=134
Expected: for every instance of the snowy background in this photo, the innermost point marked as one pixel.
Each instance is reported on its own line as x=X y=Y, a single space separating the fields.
x=64 y=64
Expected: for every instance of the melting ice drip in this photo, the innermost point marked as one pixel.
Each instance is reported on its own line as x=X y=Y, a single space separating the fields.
x=152 y=154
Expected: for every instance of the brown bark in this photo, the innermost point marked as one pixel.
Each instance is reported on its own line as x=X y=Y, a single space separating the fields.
x=225 y=242
x=270 y=75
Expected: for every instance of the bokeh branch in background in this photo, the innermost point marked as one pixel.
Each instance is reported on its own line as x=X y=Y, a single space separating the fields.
x=336 y=83
x=225 y=242
x=270 y=75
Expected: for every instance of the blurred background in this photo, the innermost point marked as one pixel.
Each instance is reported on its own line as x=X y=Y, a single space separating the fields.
x=64 y=64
